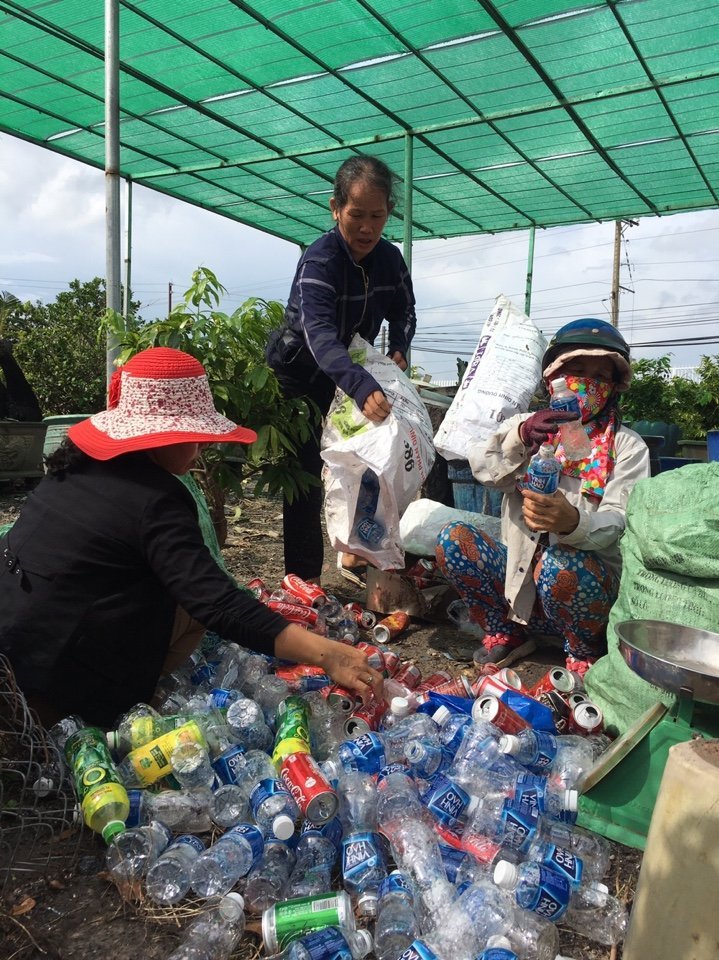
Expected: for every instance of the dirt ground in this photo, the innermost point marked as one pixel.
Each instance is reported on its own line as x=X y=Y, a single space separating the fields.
x=73 y=912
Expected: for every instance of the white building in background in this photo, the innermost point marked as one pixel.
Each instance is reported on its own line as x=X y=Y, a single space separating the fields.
x=689 y=373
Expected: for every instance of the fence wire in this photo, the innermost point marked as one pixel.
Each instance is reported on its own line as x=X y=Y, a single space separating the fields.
x=37 y=802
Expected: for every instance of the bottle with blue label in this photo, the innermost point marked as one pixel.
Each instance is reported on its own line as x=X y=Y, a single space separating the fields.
x=448 y=803
x=544 y=470
x=231 y=857
x=363 y=854
x=498 y=948
x=397 y=924
x=592 y=849
x=588 y=908
x=366 y=526
x=572 y=433
x=168 y=879
x=329 y=944
x=511 y=822
x=183 y=811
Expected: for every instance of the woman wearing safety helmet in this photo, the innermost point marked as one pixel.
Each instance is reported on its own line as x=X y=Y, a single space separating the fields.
x=556 y=571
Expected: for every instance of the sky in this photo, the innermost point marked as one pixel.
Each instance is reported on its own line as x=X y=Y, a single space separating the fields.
x=52 y=212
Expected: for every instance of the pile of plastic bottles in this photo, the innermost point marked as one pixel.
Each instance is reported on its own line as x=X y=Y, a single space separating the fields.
x=438 y=823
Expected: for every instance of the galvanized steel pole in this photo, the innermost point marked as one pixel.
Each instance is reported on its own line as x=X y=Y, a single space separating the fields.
x=127 y=287
x=530 y=272
x=112 y=171
x=407 y=243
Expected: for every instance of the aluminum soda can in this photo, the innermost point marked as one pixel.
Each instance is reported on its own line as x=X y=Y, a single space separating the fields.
x=294 y=612
x=288 y=920
x=308 y=593
x=559 y=707
x=433 y=680
x=341 y=698
x=409 y=675
x=300 y=677
x=577 y=697
x=457 y=687
x=258 y=587
x=375 y=659
x=490 y=685
x=392 y=662
x=391 y=627
x=309 y=787
x=556 y=678
x=586 y=718
x=293 y=729
x=365 y=717
x=497 y=712
x=363 y=618
x=420 y=575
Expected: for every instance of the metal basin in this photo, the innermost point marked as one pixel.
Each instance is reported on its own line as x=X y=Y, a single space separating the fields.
x=672 y=656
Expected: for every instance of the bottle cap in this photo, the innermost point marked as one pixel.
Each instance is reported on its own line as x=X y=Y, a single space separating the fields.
x=367 y=904
x=283 y=826
x=506 y=874
x=510 y=744
x=498 y=941
x=231 y=906
x=441 y=715
x=399 y=706
x=571 y=800
x=363 y=943
x=112 y=739
x=111 y=830
x=559 y=383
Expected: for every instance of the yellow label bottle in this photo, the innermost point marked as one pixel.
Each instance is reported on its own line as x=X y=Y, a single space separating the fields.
x=150 y=762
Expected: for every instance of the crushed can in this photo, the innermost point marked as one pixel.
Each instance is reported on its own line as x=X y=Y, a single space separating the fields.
x=339 y=697
x=258 y=588
x=556 y=678
x=497 y=683
x=363 y=618
x=559 y=707
x=409 y=675
x=374 y=655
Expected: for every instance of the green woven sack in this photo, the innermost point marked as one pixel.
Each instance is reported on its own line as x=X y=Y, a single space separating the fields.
x=670 y=552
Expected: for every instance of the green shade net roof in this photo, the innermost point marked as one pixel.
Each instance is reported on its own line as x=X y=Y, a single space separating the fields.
x=521 y=112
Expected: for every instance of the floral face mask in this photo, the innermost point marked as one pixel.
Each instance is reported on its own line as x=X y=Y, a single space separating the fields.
x=591 y=394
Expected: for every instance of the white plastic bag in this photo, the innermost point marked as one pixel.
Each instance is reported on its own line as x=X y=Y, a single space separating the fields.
x=499 y=382
x=423 y=520
x=399 y=450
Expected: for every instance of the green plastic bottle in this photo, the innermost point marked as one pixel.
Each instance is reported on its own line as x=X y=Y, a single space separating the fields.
x=102 y=796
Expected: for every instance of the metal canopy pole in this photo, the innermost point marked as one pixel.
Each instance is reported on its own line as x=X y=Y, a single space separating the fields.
x=407 y=242
x=530 y=272
x=127 y=286
x=112 y=172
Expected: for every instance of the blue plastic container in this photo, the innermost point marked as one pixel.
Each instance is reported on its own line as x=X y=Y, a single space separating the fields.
x=713 y=445
x=469 y=494
x=673 y=463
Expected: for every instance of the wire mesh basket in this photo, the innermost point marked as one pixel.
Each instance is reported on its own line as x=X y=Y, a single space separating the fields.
x=37 y=802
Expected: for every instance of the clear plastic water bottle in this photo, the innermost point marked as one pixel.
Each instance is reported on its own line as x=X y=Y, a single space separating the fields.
x=331 y=943
x=399 y=707
x=168 y=879
x=479 y=762
x=273 y=807
x=215 y=934
x=566 y=756
x=397 y=925
x=426 y=758
x=53 y=771
x=367 y=497
x=572 y=433
x=594 y=851
x=544 y=470
x=447 y=802
x=588 y=908
x=191 y=766
x=231 y=857
x=357 y=795
x=269 y=694
x=452 y=727
x=397 y=796
x=229 y=658
x=267 y=880
x=498 y=948
x=131 y=853
x=229 y=806
x=416 y=853
x=247 y=725
x=458 y=613
x=512 y=823
x=315 y=857
x=183 y=811
x=253 y=669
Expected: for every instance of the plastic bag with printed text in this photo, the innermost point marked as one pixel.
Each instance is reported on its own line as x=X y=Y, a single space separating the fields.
x=373 y=470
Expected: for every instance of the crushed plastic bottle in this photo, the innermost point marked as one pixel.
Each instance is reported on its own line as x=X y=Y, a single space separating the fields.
x=168 y=879
x=397 y=924
x=215 y=934
x=232 y=856
x=131 y=853
x=267 y=880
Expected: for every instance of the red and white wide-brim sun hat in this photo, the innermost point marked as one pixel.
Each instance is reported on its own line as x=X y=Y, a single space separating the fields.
x=159 y=397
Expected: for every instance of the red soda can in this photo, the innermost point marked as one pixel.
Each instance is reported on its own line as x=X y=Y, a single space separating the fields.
x=497 y=712
x=574 y=698
x=340 y=697
x=433 y=680
x=420 y=575
x=556 y=678
x=309 y=787
x=409 y=675
x=458 y=687
x=586 y=718
x=493 y=685
x=365 y=717
x=295 y=674
x=307 y=593
x=374 y=655
x=392 y=662
x=258 y=587
x=559 y=707
x=294 y=612
x=363 y=618
x=391 y=627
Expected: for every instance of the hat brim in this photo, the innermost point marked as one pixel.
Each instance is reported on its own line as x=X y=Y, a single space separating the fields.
x=99 y=445
x=621 y=364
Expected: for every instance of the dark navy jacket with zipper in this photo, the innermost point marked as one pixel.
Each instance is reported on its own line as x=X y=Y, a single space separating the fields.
x=331 y=299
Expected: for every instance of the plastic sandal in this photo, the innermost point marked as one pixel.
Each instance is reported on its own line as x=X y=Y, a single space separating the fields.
x=499 y=650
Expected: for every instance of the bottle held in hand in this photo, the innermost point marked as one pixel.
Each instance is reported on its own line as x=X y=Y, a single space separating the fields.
x=572 y=433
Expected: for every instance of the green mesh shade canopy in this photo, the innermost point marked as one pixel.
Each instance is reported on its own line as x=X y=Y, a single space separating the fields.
x=521 y=112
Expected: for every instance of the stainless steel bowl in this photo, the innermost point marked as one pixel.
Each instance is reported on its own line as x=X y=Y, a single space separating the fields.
x=672 y=656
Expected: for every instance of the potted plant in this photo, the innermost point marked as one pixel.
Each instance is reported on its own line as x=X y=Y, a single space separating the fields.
x=231 y=347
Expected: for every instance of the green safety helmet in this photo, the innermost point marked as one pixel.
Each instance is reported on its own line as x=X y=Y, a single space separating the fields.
x=588 y=337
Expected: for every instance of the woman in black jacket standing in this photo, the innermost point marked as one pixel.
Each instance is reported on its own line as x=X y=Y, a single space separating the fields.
x=347 y=282
x=105 y=573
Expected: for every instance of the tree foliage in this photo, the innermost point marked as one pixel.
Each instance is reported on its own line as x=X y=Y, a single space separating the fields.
x=656 y=395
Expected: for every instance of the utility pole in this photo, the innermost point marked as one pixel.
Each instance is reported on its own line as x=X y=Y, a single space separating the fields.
x=616 y=286
x=169 y=298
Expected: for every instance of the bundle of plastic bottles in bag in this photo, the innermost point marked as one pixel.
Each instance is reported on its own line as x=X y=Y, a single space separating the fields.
x=437 y=823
